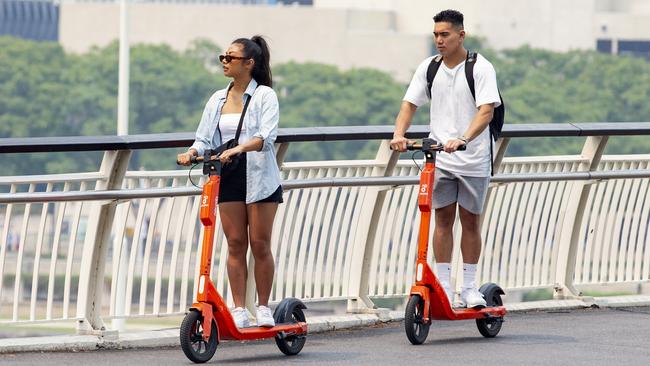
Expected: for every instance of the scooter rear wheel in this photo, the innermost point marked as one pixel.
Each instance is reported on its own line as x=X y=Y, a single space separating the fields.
x=194 y=346
x=490 y=327
x=416 y=328
x=289 y=311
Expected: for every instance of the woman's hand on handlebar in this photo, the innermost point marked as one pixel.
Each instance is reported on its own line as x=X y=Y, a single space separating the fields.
x=454 y=145
x=399 y=143
x=226 y=156
x=185 y=158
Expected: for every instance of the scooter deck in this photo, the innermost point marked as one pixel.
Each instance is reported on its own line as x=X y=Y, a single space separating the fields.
x=440 y=308
x=470 y=313
x=250 y=333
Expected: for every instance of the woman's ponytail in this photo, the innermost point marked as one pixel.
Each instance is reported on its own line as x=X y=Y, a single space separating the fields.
x=257 y=49
x=262 y=70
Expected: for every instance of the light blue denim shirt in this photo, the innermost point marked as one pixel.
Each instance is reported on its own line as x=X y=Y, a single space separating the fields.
x=261 y=120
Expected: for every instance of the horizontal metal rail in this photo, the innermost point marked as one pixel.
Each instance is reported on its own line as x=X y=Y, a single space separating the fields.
x=117 y=195
x=308 y=134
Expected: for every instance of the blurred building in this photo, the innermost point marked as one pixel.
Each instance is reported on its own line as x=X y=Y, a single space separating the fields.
x=611 y=26
x=34 y=19
x=299 y=31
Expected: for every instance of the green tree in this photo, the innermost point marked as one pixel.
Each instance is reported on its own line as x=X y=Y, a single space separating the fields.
x=45 y=91
x=321 y=95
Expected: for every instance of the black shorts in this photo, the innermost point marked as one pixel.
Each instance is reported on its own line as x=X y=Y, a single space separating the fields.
x=233 y=186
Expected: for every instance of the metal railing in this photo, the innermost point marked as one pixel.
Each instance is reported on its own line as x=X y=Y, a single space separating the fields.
x=115 y=244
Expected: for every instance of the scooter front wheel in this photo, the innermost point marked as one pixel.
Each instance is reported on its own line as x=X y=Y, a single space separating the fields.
x=490 y=327
x=289 y=311
x=416 y=328
x=192 y=342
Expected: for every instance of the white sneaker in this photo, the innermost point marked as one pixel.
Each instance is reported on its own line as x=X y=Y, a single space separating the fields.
x=472 y=298
x=241 y=317
x=264 y=317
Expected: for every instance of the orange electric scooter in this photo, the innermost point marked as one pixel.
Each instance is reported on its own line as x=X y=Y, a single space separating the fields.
x=428 y=300
x=208 y=320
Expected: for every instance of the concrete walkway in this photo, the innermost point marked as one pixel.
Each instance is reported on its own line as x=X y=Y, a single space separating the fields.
x=317 y=324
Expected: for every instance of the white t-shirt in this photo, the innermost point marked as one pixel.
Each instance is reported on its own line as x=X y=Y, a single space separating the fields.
x=453 y=109
x=228 y=126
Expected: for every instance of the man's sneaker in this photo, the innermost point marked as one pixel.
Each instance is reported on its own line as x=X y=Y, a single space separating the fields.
x=264 y=317
x=472 y=298
x=240 y=315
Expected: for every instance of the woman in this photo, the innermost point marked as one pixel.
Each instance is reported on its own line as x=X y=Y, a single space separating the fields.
x=249 y=194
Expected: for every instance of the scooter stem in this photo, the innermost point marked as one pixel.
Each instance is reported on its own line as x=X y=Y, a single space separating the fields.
x=208 y=214
x=424 y=204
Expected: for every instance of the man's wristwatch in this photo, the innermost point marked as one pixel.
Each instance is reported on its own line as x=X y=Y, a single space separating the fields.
x=463 y=139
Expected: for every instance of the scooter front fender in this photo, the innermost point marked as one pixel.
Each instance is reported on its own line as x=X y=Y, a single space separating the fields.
x=423 y=292
x=205 y=310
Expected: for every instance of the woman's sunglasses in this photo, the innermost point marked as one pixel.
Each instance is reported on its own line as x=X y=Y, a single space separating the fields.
x=229 y=58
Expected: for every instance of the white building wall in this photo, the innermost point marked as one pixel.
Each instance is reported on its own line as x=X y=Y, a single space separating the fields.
x=344 y=37
x=623 y=6
x=553 y=24
x=558 y=25
x=390 y=35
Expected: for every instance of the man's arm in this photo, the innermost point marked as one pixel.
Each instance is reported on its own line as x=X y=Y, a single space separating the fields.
x=480 y=121
x=402 y=123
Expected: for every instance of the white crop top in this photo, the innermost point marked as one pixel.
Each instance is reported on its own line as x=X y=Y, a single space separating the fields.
x=228 y=126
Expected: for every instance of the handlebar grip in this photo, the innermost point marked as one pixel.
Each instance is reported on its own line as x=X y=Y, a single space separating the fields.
x=193 y=160
x=438 y=147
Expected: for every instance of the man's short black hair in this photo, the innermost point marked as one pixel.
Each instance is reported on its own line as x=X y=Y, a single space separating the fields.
x=450 y=16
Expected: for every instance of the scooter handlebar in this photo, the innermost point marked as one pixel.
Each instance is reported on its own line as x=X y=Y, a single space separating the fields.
x=439 y=147
x=194 y=160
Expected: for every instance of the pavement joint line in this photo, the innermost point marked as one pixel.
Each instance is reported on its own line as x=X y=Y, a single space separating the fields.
x=317 y=324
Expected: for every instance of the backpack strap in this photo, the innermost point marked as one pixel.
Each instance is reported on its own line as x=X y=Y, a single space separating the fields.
x=431 y=72
x=469 y=71
x=469 y=75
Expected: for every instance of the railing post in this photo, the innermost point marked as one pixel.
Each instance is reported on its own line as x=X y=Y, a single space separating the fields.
x=364 y=240
x=592 y=152
x=95 y=249
x=500 y=152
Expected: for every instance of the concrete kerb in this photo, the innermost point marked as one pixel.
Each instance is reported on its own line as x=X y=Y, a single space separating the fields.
x=317 y=324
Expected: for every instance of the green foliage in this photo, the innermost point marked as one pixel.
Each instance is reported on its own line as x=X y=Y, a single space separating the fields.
x=206 y=52
x=540 y=86
x=45 y=91
x=26 y=90
x=538 y=295
x=321 y=95
x=475 y=43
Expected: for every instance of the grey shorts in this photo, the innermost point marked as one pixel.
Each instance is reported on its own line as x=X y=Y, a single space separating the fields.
x=469 y=192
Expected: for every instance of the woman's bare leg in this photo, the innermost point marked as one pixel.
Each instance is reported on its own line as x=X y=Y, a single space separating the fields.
x=234 y=220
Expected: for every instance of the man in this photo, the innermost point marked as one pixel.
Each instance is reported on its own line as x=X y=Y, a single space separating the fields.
x=457 y=118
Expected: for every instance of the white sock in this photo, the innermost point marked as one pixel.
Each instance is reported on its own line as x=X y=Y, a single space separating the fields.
x=469 y=275
x=443 y=270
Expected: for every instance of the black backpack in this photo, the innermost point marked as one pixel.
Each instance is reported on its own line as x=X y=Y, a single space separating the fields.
x=496 y=124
